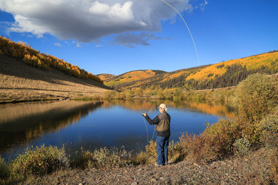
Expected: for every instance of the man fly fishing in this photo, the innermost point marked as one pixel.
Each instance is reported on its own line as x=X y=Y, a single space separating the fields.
x=162 y=126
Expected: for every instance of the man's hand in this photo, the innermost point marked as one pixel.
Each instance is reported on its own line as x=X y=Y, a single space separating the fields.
x=145 y=114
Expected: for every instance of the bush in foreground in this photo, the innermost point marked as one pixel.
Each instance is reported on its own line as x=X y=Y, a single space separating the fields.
x=4 y=171
x=269 y=136
x=39 y=161
x=103 y=158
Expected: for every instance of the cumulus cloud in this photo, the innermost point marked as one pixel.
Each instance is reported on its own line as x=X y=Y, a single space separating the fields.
x=90 y=20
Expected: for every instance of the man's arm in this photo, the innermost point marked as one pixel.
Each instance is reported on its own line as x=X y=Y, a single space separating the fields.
x=155 y=121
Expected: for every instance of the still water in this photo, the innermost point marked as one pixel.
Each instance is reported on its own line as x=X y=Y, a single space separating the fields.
x=97 y=124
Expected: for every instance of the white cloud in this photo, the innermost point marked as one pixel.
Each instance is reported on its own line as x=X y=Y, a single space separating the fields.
x=58 y=44
x=203 y=5
x=78 y=45
x=90 y=20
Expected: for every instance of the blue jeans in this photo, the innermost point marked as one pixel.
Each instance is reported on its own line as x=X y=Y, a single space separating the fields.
x=162 y=144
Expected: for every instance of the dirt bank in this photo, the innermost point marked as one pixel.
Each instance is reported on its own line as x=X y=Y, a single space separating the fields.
x=251 y=169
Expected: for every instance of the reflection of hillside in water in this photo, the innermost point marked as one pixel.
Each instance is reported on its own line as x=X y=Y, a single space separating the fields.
x=21 y=123
x=209 y=108
x=135 y=105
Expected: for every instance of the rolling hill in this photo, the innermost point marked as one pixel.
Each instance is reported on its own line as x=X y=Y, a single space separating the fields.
x=130 y=77
x=28 y=75
x=22 y=82
x=106 y=77
x=224 y=74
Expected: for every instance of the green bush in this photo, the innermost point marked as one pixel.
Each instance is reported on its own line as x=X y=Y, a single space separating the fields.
x=104 y=158
x=268 y=129
x=242 y=146
x=4 y=171
x=39 y=161
x=257 y=95
x=84 y=160
x=221 y=136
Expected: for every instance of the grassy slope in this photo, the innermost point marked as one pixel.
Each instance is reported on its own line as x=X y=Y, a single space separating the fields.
x=202 y=73
x=106 y=77
x=132 y=76
x=269 y=60
x=19 y=82
x=158 y=78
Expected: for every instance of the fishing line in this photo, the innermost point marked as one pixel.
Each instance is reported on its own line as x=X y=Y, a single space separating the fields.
x=153 y=132
x=146 y=130
x=186 y=27
x=146 y=123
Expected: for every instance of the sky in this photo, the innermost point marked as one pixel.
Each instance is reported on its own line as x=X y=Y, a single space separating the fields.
x=118 y=36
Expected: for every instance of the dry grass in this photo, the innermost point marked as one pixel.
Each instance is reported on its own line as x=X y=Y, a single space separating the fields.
x=20 y=82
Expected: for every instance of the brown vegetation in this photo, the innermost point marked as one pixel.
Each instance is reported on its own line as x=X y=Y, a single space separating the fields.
x=21 y=82
x=39 y=60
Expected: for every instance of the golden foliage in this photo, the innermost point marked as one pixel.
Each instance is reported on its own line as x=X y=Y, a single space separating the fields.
x=40 y=60
x=268 y=60
x=131 y=76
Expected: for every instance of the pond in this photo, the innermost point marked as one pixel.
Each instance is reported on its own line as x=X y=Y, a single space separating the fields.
x=90 y=125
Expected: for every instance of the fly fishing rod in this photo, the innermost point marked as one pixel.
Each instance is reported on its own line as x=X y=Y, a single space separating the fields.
x=147 y=109
x=145 y=121
x=167 y=3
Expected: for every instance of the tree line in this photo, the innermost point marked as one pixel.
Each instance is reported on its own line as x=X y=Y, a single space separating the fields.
x=234 y=75
x=39 y=60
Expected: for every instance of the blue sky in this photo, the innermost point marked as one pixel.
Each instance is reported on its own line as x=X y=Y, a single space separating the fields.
x=115 y=37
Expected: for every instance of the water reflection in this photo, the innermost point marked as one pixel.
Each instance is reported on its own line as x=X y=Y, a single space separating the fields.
x=96 y=124
x=204 y=107
x=21 y=123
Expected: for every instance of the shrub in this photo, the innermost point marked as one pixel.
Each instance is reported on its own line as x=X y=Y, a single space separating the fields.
x=85 y=160
x=214 y=143
x=242 y=146
x=268 y=127
x=195 y=146
x=39 y=161
x=104 y=158
x=4 y=171
x=221 y=136
x=257 y=95
x=176 y=151
x=151 y=149
x=141 y=158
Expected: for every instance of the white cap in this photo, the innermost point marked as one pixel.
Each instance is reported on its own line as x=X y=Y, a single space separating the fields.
x=163 y=106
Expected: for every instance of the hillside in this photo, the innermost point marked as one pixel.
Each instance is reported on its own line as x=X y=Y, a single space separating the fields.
x=22 y=82
x=132 y=76
x=162 y=79
x=218 y=75
x=33 y=57
x=106 y=77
